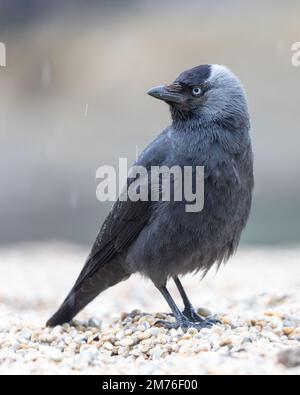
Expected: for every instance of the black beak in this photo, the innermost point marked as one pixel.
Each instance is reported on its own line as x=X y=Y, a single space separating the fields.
x=164 y=93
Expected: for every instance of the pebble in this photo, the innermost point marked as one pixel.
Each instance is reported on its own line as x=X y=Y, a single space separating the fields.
x=204 y=312
x=86 y=344
x=23 y=336
x=226 y=341
x=145 y=335
x=52 y=353
x=287 y=330
x=108 y=345
x=120 y=335
x=157 y=352
x=94 y=322
x=290 y=357
x=126 y=342
x=89 y=352
x=261 y=335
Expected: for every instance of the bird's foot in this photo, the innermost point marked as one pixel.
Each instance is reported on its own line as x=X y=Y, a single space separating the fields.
x=186 y=323
x=191 y=315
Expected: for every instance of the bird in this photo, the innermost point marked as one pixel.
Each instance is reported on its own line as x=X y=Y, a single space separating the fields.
x=160 y=240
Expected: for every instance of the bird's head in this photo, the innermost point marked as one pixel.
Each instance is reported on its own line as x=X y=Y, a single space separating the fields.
x=206 y=91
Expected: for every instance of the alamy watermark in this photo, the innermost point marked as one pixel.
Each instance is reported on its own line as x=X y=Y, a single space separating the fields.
x=159 y=183
x=296 y=54
x=2 y=54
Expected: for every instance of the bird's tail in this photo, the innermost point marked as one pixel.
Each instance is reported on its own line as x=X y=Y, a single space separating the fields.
x=86 y=290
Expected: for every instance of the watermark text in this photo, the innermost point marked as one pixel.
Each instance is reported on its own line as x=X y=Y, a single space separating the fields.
x=296 y=54
x=2 y=55
x=159 y=183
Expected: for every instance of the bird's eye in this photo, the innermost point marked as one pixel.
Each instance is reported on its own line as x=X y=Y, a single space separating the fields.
x=197 y=91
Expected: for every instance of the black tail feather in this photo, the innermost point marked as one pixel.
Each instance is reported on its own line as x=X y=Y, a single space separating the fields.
x=64 y=314
x=85 y=291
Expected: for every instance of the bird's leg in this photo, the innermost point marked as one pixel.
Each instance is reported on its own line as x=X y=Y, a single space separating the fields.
x=181 y=320
x=175 y=310
x=189 y=310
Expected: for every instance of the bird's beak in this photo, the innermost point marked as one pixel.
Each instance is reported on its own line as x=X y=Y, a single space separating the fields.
x=165 y=92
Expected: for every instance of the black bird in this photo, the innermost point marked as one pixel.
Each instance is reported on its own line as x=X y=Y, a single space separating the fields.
x=159 y=239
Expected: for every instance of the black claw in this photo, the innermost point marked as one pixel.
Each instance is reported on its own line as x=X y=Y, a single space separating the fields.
x=186 y=324
x=191 y=315
x=167 y=324
x=214 y=320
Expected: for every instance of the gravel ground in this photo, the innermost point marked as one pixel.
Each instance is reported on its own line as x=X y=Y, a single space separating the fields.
x=256 y=297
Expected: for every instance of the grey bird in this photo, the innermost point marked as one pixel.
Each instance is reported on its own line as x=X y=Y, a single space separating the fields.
x=159 y=239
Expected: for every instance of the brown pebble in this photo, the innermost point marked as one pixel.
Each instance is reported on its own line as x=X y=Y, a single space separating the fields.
x=288 y=330
x=225 y=342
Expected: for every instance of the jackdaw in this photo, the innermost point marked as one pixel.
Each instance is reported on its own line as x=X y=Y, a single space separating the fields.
x=160 y=239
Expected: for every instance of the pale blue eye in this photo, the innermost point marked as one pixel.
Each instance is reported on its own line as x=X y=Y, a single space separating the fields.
x=197 y=91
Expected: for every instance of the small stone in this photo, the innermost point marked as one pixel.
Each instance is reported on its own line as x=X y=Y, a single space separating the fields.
x=161 y=339
x=144 y=326
x=187 y=336
x=290 y=358
x=66 y=326
x=247 y=340
x=123 y=316
x=154 y=331
x=53 y=353
x=32 y=355
x=57 y=330
x=94 y=322
x=144 y=348
x=160 y=316
x=90 y=339
x=120 y=335
x=216 y=329
x=135 y=313
x=123 y=351
x=135 y=352
x=227 y=341
x=46 y=338
x=128 y=332
x=156 y=353
x=271 y=336
x=145 y=335
x=274 y=313
x=89 y=352
x=115 y=350
x=225 y=320
x=288 y=330
x=23 y=336
x=192 y=331
x=108 y=345
x=105 y=325
x=126 y=342
x=204 y=312
x=185 y=349
x=73 y=333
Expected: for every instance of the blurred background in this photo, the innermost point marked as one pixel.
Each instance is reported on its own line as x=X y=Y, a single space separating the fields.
x=72 y=98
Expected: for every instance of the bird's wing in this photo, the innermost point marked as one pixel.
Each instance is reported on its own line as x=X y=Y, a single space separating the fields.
x=121 y=227
x=125 y=220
